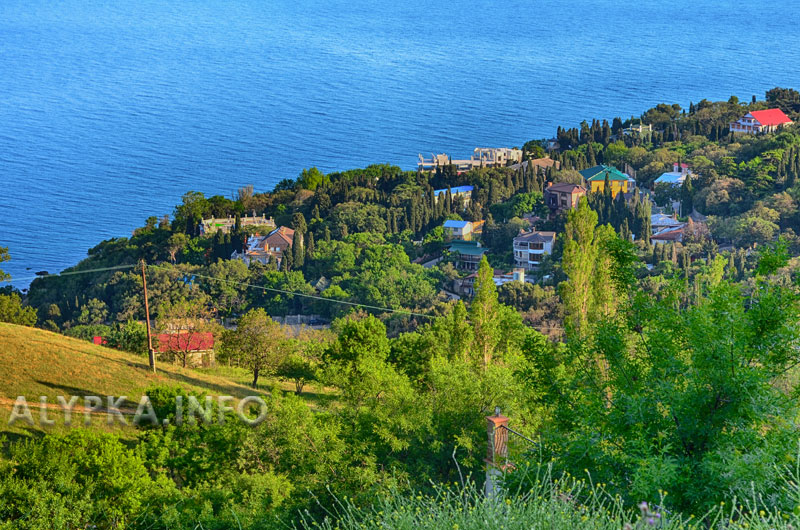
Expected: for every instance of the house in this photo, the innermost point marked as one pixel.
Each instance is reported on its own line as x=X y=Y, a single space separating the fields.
x=466 y=286
x=759 y=121
x=539 y=165
x=530 y=248
x=481 y=157
x=465 y=192
x=199 y=346
x=266 y=248
x=458 y=230
x=596 y=178
x=211 y=226
x=561 y=197
x=669 y=235
x=676 y=177
x=660 y=222
x=640 y=131
x=468 y=254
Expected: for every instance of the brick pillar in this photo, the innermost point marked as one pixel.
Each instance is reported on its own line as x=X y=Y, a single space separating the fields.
x=496 y=450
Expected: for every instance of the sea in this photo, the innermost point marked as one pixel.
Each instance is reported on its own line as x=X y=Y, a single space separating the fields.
x=110 y=110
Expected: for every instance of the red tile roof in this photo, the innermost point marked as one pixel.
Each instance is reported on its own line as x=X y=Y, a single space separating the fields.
x=770 y=117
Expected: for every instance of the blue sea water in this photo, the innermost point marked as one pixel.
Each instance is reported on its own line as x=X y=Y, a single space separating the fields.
x=111 y=109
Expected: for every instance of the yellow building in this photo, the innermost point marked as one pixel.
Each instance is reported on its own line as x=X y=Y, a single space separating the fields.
x=596 y=178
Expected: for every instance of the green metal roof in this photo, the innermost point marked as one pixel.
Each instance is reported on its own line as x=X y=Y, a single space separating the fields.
x=599 y=173
x=467 y=248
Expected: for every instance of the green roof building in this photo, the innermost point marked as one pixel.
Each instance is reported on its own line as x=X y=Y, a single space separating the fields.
x=596 y=177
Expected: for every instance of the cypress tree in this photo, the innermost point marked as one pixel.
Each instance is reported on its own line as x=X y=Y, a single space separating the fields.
x=687 y=205
x=286 y=261
x=310 y=247
x=591 y=160
x=327 y=234
x=297 y=249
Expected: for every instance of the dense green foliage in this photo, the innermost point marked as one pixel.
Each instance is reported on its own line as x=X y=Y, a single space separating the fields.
x=653 y=368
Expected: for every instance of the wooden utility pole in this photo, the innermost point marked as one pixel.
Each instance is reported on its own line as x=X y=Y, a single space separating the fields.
x=150 y=353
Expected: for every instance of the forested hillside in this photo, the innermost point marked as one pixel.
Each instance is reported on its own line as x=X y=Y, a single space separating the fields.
x=663 y=372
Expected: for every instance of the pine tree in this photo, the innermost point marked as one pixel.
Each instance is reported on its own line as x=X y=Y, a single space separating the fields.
x=327 y=234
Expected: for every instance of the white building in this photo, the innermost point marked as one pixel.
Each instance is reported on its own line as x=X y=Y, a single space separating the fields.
x=759 y=121
x=531 y=247
x=676 y=177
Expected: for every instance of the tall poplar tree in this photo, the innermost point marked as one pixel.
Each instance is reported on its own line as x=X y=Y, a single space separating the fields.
x=483 y=314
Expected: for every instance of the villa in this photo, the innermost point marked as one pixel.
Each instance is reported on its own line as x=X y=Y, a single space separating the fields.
x=562 y=197
x=462 y=230
x=226 y=224
x=759 y=121
x=531 y=247
x=481 y=157
x=468 y=254
x=676 y=177
x=596 y=178
x=267 y=248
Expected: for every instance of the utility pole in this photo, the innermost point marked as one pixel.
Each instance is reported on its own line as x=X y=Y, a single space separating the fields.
x=150 y=353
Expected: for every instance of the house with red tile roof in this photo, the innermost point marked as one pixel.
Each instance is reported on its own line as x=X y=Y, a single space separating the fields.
x=267 y=248
x=759 y=121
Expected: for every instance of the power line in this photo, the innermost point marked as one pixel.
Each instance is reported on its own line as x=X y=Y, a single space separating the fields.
x=344 y=302
x=261 y=287
x=72 y=273
x=314 y=297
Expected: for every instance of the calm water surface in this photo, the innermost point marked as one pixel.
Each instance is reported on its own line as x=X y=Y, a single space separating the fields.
x=110 y=110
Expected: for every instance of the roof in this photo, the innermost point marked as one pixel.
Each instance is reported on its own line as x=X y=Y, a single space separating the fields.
x=536 y=237
x=282 y=232
x=669 y=234
x=565 y=187
x=660 y=219
x=770 y=117
x=468 y=248
x=454 y=190
x=671 y=177
x=599 y=173
x=451 y=223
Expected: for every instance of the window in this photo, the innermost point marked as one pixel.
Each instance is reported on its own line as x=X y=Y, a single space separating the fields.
x=536 y=246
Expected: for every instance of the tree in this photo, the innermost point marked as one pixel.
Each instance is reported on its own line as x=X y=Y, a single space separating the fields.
x=579 y=259
x=176 y=243
x=4 y=256
x=13 y=312
x=310 y=247
x=297 y=250
x=287 y=260
x=193 y=209
x=299 y=223
x=356 y=362
x=93 y=312
x=483 y=313
x=258 y=344
x=301 y=365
